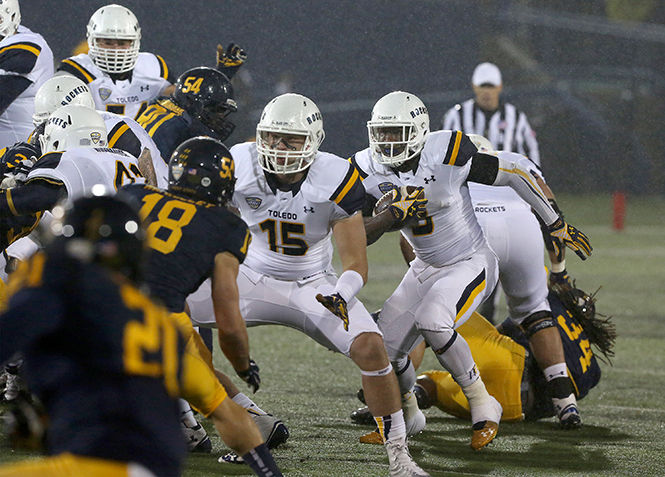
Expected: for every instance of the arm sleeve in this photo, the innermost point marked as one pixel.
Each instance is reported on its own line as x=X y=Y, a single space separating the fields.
x=517 y=174
x=11 y=86
x=36 y=195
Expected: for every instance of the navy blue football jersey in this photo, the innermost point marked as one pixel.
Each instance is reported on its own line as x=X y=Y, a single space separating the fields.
x=169 y=125
x=185 y=236
x=582 y=365
x=92 y=343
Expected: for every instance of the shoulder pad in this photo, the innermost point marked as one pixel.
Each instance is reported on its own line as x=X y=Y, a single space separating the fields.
x=19 y=57
x=455 y=145
x=122 y=137
x=75 y=68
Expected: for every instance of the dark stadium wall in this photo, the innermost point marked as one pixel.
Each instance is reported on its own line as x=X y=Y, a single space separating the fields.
x=579 y=89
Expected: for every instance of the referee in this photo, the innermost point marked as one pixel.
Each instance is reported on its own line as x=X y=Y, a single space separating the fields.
x=502 y=123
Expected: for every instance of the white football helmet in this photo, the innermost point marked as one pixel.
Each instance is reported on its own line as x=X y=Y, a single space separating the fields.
x=292 y=114
x=73 y=126
x=398 y=128
x=114 y=22
x=60 y=91
x=10 y=17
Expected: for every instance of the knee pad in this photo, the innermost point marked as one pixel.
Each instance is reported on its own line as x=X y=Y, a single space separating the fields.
x=537 y=321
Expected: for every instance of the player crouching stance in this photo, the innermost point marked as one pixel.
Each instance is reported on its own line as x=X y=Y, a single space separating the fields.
x=293 y=198
x=454 y=269
x=105 y=360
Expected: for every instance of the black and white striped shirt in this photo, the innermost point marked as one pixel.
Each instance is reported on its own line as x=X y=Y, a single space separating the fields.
x=507 y=128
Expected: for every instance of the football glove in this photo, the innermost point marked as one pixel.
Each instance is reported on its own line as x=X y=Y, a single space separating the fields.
x=251 y=376
x=234 y=55
x=408 y=202
x=337 y=306
x=16 y=164
x=563 y=234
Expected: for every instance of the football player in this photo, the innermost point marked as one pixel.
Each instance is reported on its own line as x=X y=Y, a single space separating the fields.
x=294 y=198
x=26 y=61
x=454 y=269
x=122 y=79
x=75 y=158
x=199 y=106
x=514 y=234
x=194 y=238
x=123 y=133
x=91 y=338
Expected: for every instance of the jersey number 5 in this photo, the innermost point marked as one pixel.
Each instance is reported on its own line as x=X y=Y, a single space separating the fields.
x=165 y=232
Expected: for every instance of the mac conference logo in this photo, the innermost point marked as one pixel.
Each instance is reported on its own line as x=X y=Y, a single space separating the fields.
x=104 y=93
x=254 y=202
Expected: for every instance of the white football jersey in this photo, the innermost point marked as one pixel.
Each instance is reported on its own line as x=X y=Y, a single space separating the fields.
x=126 y=97
x=291 y=229
x=79 y=169
x=118 y=128
x=24 y=54
x=450 y=232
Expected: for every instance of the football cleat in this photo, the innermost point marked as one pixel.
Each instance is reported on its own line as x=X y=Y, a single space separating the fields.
x=363 y=416
x=273 y=430
x=401 y=463
x=196 y=438
x=231 y=458
x=570 y=418
x=486 y=427
x=371 y=438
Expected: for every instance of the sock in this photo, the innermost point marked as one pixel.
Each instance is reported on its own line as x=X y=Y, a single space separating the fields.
x=262 y=462
x=186 y=414
x=244 y=401
x=476 y=393
x=391 y=427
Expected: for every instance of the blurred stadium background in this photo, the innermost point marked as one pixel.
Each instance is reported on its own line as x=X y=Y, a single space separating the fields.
x=586 y=73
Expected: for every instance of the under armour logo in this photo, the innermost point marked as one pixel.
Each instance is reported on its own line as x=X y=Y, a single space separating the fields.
x=431 y=179
x=308 y=209
x=146 y=87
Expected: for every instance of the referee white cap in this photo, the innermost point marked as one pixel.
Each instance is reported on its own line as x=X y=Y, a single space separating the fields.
x=486 y=73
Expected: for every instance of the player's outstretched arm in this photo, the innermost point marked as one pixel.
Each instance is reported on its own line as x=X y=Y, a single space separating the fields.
x=233 y=338
x=518 y=174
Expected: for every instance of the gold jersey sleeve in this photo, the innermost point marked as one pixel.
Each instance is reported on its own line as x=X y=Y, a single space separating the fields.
x=500 y=362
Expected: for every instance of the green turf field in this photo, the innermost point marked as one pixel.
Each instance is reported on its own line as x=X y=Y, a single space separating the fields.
x=313 y=390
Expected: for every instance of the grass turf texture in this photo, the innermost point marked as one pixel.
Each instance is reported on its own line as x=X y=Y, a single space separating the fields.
x=313 y=390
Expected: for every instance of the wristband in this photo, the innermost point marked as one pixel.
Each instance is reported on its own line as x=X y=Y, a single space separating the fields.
x=348 y=284
x=558 y=267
